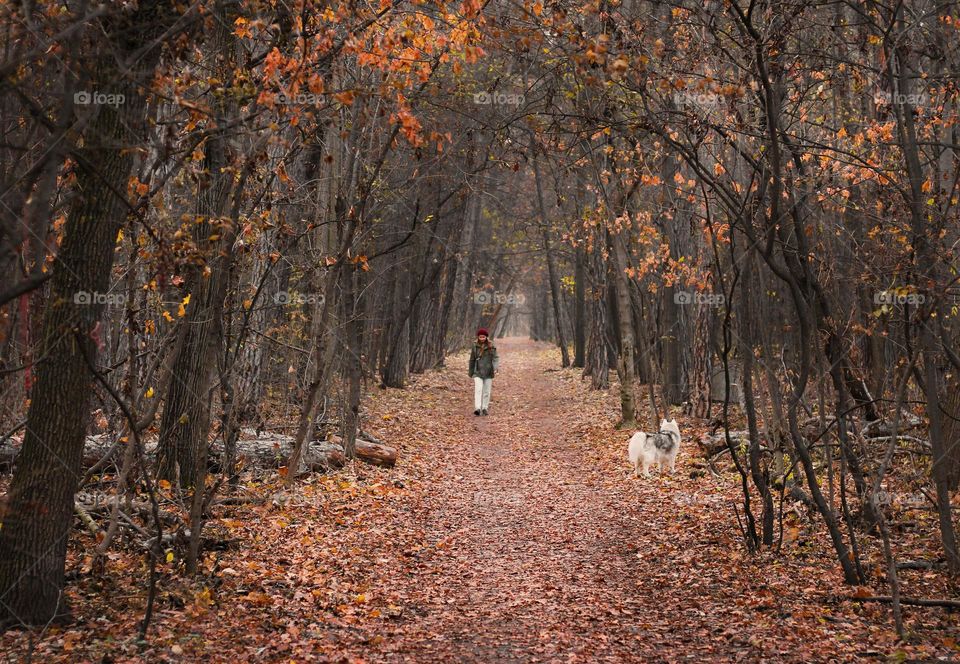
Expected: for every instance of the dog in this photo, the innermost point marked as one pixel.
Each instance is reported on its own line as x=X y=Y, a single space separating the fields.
x=661 y=448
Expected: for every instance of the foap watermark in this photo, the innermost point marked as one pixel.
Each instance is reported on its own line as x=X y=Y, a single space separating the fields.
x=500 y=499
x=299 y=299
x=498 y=98
x=97 y=98
x=707 y=100
x=85 y=298
x=496 y=297
x=902 y=499
x=891 y=297
x=883 y=91
x=298 y=99
x=886 y=98
x=697 y=297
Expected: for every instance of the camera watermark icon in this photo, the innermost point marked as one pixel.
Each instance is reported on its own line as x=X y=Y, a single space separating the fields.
x=706 y=100
x=299 y=299
x=97 y=98
x=498 y=98
x=696 y=297
x=94 y=298
x=496 y=297
x=890 y=297
x=299 y=99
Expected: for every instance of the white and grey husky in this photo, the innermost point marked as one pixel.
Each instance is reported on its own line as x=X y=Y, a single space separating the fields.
x=660 y=448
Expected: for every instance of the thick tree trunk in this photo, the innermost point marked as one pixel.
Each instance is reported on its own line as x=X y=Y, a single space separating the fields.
x=702 y=365
x=759 y=471
x=673 y=387
x=186 y=414
x=951 y=432
x=33 y=540
x=597 y=361
x=625 y=362
x=395 y=373
x=927 y=262
x=466 y=252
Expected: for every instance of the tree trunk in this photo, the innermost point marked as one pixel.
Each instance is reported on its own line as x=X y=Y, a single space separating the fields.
x=673 y=388
x=597 y=362
x=33 y=540
x=951 y=432
x=759 y=471
x=352 y=346
x=555 y=295
x=579 y=307
x=927 y=263
x=702 y=365
x=625 y=361
x=186 y=413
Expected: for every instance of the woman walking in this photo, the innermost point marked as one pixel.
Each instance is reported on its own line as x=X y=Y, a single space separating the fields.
x=483 y=366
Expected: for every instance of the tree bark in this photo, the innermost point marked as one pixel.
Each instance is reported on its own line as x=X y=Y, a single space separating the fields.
x=554 y=278
x=579 y=309
x=33 y=540
x=625 y=361
x=352 y=346
x=186 y=414
x=927 y=264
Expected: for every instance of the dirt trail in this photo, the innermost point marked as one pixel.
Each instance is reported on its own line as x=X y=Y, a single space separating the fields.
x=550 y=552
x=543 y=547
x=537 y=562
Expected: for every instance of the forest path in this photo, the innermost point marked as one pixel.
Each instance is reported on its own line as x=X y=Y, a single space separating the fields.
x=536 y=559
x=543 y=548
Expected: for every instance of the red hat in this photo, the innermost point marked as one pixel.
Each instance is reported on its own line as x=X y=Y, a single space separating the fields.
x=482 y=332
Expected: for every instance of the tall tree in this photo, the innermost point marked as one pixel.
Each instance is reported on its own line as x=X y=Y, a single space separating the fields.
x=33 y=540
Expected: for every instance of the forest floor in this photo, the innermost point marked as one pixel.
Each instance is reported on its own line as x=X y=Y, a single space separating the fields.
x=516 y=537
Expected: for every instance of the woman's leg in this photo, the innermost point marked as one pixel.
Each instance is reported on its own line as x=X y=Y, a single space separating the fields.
x=487 y=385
x=477 y=392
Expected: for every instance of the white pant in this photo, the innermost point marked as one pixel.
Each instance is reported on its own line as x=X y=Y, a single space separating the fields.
x=481 y=392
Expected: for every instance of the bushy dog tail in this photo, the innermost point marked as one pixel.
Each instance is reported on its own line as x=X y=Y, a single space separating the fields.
x=635 y=447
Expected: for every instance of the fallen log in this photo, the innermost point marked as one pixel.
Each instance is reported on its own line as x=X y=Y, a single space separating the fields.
x=323 y=456
x=263 y=450
x=369 y=437
x=712 y=445
x=912 y=601
x=99 y=450
x=913 y=439
x=376 y=454
x=919 y=564
x=373 y=452
x=881 y=428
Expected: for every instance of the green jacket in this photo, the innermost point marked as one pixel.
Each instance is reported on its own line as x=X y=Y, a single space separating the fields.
x=483 y=364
